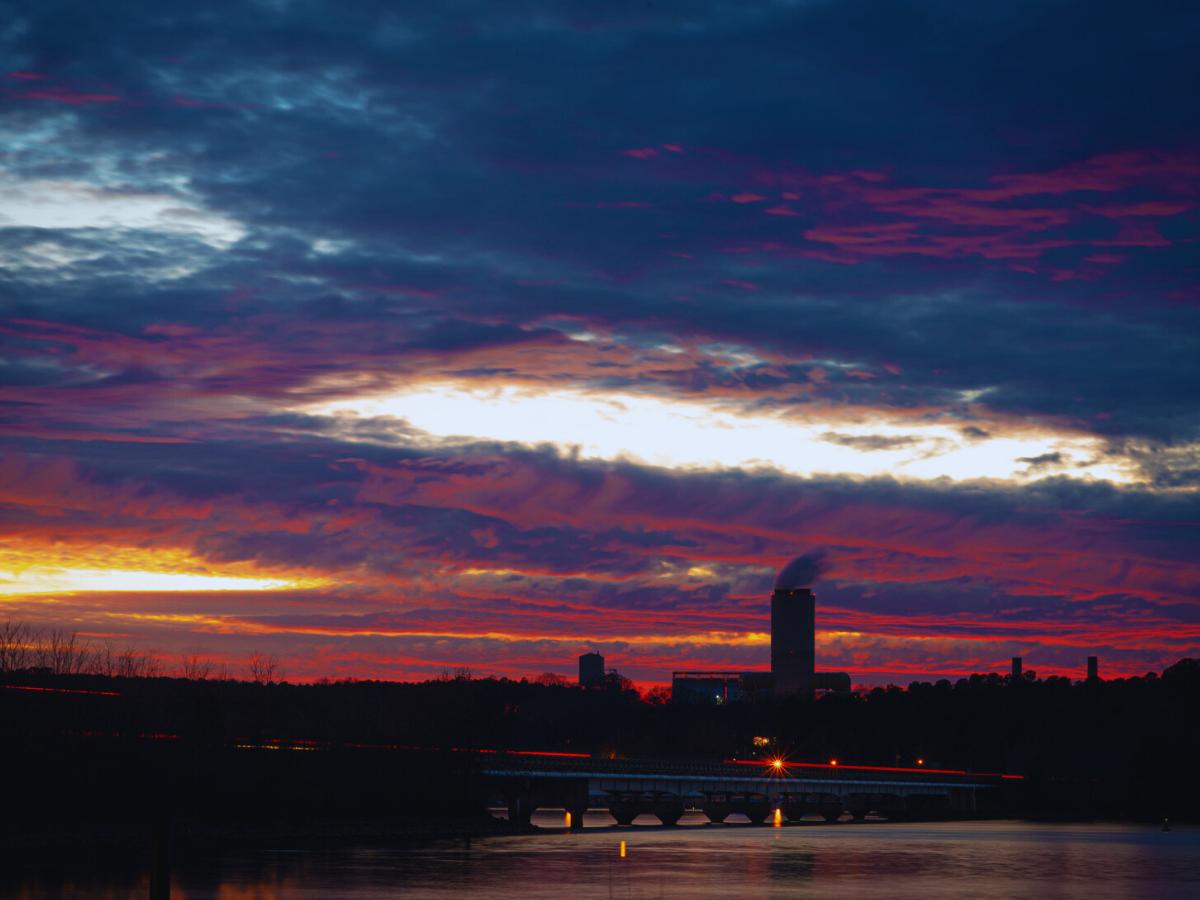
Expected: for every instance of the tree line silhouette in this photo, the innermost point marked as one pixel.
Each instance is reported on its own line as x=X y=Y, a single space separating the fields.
x=57 y=651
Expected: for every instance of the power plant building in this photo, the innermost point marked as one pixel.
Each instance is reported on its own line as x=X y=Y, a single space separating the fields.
x=719 y=688
x=793 y=658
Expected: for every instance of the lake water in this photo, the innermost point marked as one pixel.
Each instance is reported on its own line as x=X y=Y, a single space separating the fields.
x=845 y=860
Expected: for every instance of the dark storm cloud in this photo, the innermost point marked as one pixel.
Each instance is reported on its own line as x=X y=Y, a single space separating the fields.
x=442 y=238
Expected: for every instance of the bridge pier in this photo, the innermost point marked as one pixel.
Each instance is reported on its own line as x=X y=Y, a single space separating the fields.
x=624 y=806
x=756 y=808
x=716 y=807
x=576 y=803
x=520 y=809
x=668 y=807
x=577 y=812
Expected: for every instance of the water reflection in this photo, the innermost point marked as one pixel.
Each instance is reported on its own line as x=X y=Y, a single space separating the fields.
x=934 y=861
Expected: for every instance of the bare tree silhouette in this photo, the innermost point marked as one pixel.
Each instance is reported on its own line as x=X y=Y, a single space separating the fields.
x=61 y=652
x=127 y=663
x=264 y=669
x=195 y=668
x=16 y=640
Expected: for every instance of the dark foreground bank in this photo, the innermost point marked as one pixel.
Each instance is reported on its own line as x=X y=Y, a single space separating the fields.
x=121 y=756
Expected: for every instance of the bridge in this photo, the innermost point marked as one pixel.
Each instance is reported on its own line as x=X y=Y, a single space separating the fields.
x=757 y=789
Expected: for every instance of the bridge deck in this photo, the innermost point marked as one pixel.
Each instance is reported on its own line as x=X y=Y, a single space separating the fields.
x=685 y=773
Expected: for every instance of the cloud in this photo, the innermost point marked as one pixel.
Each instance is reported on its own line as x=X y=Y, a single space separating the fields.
x=872 y=441
x=904 y=240
x=1043 y=459
x=52 y=205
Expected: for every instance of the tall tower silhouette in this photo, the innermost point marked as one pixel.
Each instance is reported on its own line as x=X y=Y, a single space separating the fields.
x=793 y=640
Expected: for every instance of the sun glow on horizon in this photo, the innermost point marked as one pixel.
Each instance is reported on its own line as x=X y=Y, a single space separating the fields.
x=44 y=580
x=695 y=434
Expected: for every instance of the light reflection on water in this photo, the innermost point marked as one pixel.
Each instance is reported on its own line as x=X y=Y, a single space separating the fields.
x=873 y=860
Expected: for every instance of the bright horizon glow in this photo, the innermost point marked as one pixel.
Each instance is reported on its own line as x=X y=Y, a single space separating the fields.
x=692 y=434
x=38 y=580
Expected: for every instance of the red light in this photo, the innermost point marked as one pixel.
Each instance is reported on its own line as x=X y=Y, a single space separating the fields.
x=23 y=687
x=833 y=762
x=515 y=752
x=550 y=753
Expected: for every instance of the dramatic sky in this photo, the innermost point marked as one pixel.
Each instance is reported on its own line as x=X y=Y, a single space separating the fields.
x=393 y=338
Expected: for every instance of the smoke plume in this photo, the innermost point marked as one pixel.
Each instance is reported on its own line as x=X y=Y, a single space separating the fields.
x=801 y=571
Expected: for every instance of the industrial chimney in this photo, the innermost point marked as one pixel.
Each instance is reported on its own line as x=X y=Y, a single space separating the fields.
x=793 y=643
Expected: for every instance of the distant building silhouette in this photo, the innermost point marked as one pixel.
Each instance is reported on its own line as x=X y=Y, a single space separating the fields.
x=591 y=670
x=1016 y=668
x=717 y=688
x=793 y=640
x=831 y=681
x=1093 y=669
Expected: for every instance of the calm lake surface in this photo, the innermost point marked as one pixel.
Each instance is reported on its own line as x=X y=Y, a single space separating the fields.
x=869 y=860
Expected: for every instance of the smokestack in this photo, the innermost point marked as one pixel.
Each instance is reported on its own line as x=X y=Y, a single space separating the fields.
x=793 y=626
x=1016 y=668
x=793 y=641
x=1093 y=668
